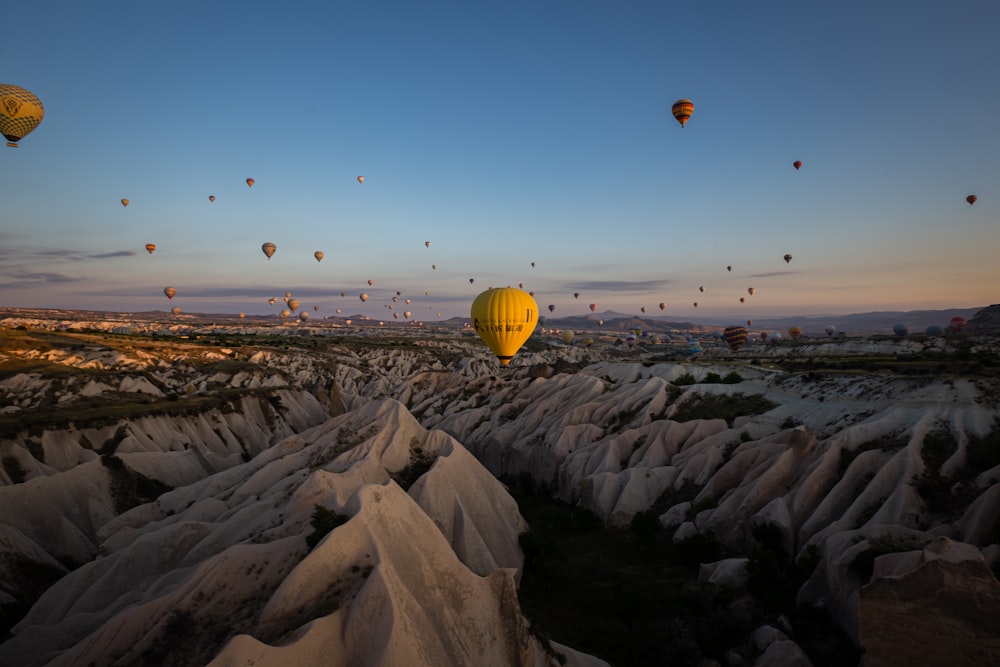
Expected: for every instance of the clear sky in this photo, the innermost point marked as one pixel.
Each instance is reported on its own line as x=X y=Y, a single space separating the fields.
x=505 y=133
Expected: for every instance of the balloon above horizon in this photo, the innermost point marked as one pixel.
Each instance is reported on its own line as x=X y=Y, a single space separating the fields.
x=682 y=111
x=20 y=113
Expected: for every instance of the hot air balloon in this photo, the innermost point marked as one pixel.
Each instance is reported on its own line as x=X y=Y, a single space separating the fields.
x=250 y=182
x=643 y=309
x=371 y=282
x=742 y=299
x=293 y=304
x=729 y=268
x=971 y=199
x=434 y=266
x=407 y=314
x=150 y=247
x=797 y=164
x=682 y=111
x=472 y=280
x=735 y=336
x=304 y=315
x=600 y=323
x=364 y=297
x=268 y=249
x=794 y=332
x=288 y=295
x=427 y=244
x=242 y=315
x=552 y=307
x=170 y=292
x=124 y=202
x=787 y=258
x=630 y=340
x=957 y=324
x=285 y=313
x=318 y=255
x=751 y=290
x=663 y=306
x=749 y=323
x=272 y=300
x=504 y=318
x=20 y=113
x=532 y=265
x=593 y=307
x=406 y=301
x=361 y=179
x=211 y=197
x=576 y=295
x=830 y=330
x=175 y=310
x=701 y=289
x=567 y=336
x=934 y=330
x=695 y=304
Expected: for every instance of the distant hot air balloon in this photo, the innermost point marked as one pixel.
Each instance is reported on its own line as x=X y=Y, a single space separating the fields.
x=957 y=324
x=434 y=266
x=318 y=255
x=250 y=182
x=794 y=332
x=361 y=179
x=934 y=330
x=150 y=247
x=735 y=337
x=643 y=309
x=272 y=300
x=630 y=340
x=293 y=304
x=663 y=306
x=797 y=164
x=682 y=110
x=532 y=265
x=338 y=311
x=124 y=202
x=175 y=310
x=371 y=282
x=787 y=258
x=600 y=323
x=242 y=315
x=971 y=199
x=593 y=307
x=472 y=280
x=407 y=314
x=695 y=304
x=567 y=336
x=211 y=197
x=364 y=297
x=288 y=295
x=742 y=300
x=830 y=330
x=304 y=315
x=268 y=249
x=749 y=323
x=504 y=318
x=552 y=307
x=20 y=113
x=900 y=329
x=285 y=313
x=701 y=289
x=170 y=292
x=729 y=268
x=427 y=244
x=576 y=295
x=751 y=291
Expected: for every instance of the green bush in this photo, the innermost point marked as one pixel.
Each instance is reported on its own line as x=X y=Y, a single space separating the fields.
x=323 y=521
x=732 y=378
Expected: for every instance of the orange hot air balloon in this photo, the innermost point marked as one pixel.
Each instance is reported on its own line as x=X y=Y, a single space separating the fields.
x=175 y=310
x=293 y=304
x=20 y=113
x=363 y=297
x=268 y=249
x=318 y=255
x=124 y=202
x=751 y=291
x=794 y=332
x=250 y=182
x=211 y=197
x=150 y=247
x=682 y=111
x=797 y=164
x=170 y=292
x=361 y=179
x=971 y=199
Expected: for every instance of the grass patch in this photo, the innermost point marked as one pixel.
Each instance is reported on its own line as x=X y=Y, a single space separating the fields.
x=717 y=406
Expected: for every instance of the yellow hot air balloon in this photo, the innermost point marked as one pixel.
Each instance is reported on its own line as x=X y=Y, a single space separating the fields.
x=170 y=292
x=250 y=182
x=150 y=247
x=318 y=255
x=504 y=318
x=242 y=315
x=284 y=313
x=293 y=304
x=124 y=202
x=175 y=310
x=567 y=336
x=304 y=315
x=364 y=297
x=268 y=249
x=682 y=111
x=20 y=113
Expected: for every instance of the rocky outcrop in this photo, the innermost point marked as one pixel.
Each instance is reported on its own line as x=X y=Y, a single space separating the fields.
x=986 y=322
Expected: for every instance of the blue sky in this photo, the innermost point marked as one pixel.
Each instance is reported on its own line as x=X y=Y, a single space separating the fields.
x=505 y=134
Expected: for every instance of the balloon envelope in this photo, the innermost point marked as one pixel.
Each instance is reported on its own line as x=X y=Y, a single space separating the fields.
x=794 y=332
x=787 y=258
x=268 y=249
x=150 y=247
x=735 y=337
x=900 y=329
x=682 y=110
x=971 y=199
x=20 y=113
x=124 y=202
x=504 y=318
x=170 y=292
x=250 y=182
x=797 y=164
x=318 y=255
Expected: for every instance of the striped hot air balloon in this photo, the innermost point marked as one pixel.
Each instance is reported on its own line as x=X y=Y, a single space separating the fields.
x=682 y=111
x=735 y=337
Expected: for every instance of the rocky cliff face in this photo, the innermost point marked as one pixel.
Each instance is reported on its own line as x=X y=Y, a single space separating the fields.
x=401 y=446
x=985 y=322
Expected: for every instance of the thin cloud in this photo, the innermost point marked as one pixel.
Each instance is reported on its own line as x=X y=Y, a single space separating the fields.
x=620 y=286
x=117 y=253
x=772 y=274
x=22 y=279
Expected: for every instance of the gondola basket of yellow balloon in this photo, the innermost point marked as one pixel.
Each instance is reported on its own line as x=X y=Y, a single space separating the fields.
x=504 y=318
